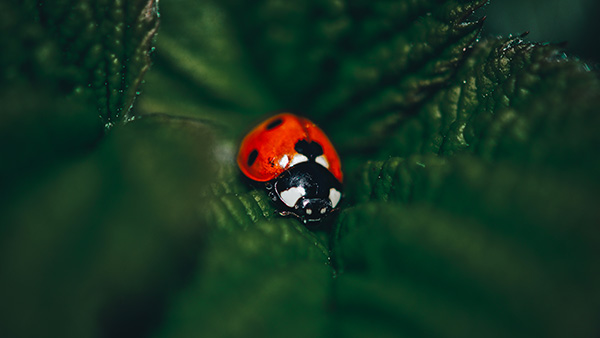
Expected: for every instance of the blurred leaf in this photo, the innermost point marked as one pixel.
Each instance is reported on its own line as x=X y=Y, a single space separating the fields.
x=577 y=20
x=322 y=58
x=428 y=272
x=94 y=246
x=68 y=68
x=263 y=280
x=471 y=174
x=201 y=68
x=542 y=227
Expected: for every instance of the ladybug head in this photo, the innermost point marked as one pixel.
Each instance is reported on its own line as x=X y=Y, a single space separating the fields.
x=307 y=190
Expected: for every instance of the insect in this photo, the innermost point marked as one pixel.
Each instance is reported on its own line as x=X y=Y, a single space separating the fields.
x=296 y=161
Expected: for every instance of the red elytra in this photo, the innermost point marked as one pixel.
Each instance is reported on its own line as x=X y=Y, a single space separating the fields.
x=269 y=149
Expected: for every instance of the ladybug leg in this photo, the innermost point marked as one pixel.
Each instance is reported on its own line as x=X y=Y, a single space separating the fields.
x=271 y=191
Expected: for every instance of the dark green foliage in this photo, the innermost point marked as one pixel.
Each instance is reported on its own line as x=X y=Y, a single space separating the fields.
x=97 y=50
x=265 y=280
x=471 y=184
x=95 y=244
x=109 y=38
x=69 y=69
x=429 y=272
x=492 y=108
x=502 y=242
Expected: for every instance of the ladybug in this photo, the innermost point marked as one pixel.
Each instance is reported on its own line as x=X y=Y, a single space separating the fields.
x=296 y=161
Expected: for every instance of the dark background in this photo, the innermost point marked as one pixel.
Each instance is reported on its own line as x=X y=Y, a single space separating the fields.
x=576 y=22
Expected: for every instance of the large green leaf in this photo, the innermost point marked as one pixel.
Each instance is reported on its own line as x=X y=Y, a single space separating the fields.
x=69 y=69
x=515 y=249
x=93 y=229
x=470 y=173
x=93 y=246
x=265 y=280
x=109 y=39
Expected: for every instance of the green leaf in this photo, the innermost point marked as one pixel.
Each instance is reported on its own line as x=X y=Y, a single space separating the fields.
x=470 y=173
x=110 y=40
x=69 y=68
x=94 y=49
x=202 y=70
x=514 y=244
x=426 y=271
x=336 y=66
x=262 y=280
x=511 y=100
x=92 y=246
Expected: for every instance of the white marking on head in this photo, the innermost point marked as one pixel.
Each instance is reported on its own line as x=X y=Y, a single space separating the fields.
x=292 y=195
x=334 y=197
x=323 y=210
x=322 y=161
x=298 y=158
x=308 y=211
x=284 y=161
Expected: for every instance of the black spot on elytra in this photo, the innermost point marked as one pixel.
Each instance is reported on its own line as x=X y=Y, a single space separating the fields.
x=252 y=157
x=309 y=149
x=274 y=124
